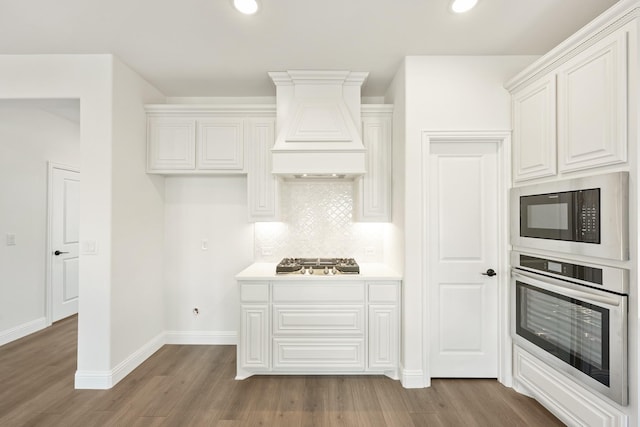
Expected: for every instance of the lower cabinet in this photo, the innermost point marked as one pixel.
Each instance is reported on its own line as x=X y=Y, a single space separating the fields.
x=306 y=327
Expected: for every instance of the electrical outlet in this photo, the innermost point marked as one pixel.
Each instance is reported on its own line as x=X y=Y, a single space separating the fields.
x=267 y=251
x=11 y=239
x=204 y=244
x=369 y=251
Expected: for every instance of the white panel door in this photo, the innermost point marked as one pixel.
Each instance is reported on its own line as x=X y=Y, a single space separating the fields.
x=64 y=243
x=463 y=245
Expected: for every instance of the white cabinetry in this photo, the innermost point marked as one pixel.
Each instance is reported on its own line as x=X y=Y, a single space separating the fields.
x=534 y=130
x=323 y=326
x=570 y=113
x=262 y=186
x=253 y=350
x=373 y=190
x=592 y=106
x=569 y=401
x=171 y=143
x=201 y=139
x=220 y=144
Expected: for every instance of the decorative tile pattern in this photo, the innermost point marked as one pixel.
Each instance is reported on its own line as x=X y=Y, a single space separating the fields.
x=317 y=222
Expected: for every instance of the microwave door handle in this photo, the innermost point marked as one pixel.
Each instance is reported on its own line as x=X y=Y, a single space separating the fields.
x=570 y=292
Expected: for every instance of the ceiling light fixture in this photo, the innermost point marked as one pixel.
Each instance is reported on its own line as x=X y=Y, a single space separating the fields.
x=461 y=6
x=248 y=7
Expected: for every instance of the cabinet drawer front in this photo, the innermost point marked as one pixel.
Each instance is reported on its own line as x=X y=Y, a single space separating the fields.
x=343 y=292
x=387 y=292
x=254 y=292
x=318 y=320
x=318 y=355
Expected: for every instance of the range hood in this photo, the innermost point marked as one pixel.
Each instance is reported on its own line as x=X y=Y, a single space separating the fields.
x=318 y=130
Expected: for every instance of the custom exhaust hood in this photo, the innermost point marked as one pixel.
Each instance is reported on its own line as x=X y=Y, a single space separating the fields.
x=318 y=130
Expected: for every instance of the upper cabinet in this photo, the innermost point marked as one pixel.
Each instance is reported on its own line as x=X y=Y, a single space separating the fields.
x=220 y=144
x=262 y=185
x=534 y=130
x=171 y=144
x=373 y=190
x=592 y=106
x=200 y=139
x=570 y=111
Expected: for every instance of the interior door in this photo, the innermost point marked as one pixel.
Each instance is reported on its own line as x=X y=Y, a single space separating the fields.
x=64 y=243
x=463 y=248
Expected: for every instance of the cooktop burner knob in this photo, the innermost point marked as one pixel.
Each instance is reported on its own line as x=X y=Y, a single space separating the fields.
x=326 y=270
x=310 y=270
x=334 y=270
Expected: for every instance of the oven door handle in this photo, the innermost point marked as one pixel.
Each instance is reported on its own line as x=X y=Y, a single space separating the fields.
x=552 y=285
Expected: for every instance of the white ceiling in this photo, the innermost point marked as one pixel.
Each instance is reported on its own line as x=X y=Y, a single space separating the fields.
x=206 y=48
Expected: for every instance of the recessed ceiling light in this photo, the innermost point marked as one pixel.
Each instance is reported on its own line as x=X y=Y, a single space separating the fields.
x=461 y=6
x=248 y=7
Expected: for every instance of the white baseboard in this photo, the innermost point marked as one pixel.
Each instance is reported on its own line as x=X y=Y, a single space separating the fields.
x=101 y=380
x=23 y=330
x=413 y=378
x=201 y=337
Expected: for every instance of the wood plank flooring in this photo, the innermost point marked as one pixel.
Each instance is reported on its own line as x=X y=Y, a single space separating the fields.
x=195 y=386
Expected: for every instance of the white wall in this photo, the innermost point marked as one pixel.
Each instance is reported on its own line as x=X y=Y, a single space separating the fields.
x=442 y=93
x=31 y=134
x=137 y=227
x=213 y=209
x=87 y=77
x=115 y=198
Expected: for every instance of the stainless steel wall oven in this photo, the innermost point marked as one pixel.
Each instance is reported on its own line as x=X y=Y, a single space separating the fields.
x=574 y=317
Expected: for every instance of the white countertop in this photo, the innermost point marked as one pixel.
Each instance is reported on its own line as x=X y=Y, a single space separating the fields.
x=267 y=271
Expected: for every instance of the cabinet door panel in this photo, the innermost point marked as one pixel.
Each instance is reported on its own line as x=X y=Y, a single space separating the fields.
x=255 y=336
x=534 y=127
x=171 y=144
x=318 y=320
x=374 y=188
x=221 y=144
x=383 y=337
x=592 y=102
x=318 y=355
x=262 y=185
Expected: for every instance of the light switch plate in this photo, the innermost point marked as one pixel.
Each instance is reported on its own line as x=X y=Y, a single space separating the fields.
x=89 y=247
x=11 y=239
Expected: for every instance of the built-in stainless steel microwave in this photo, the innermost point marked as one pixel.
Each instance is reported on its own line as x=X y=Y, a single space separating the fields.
x=585 y=216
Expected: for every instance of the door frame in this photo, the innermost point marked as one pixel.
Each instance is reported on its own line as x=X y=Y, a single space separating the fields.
x=503 y=140
x=48 y=290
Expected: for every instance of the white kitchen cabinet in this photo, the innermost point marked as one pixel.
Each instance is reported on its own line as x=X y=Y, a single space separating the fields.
x=202 y=139
x=373 y=190
x=190 y=144
x=171 y=143
x=568 y=400
x=570 y=114
x=220 y=144
x=262 y=186
x=534 y=130
x=592 y=106
x=319 y=326
x=384 y=326
x=253 y=349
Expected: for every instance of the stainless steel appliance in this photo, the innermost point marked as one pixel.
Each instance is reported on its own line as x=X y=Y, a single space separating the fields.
x=586 y=216
x=574 y=317
x=309 y=266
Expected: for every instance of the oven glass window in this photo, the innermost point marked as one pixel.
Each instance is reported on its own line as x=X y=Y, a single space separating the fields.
x=548 y=216
x=572 y=330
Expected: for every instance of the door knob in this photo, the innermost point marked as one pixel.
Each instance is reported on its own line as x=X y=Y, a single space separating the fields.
x=490 y=272
x=56 y=253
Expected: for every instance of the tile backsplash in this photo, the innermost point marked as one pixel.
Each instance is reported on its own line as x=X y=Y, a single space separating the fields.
x=318 y=222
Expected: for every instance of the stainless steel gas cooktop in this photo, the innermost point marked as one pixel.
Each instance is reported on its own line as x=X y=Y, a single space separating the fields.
x=308 y=266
